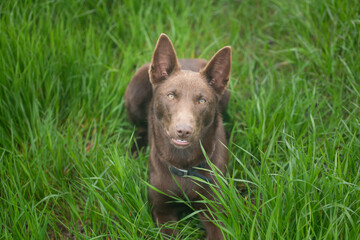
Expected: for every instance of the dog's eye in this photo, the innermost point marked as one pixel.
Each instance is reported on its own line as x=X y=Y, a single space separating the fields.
x=202 y=100
x=171 y=96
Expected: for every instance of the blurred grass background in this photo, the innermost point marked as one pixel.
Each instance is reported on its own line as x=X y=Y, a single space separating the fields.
x=66 y=173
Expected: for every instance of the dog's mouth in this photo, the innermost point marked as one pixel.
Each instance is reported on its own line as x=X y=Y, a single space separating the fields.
x=180 y=143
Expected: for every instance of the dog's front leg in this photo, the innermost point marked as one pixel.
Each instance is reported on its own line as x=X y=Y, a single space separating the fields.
x=213 y=232
x=163 y=216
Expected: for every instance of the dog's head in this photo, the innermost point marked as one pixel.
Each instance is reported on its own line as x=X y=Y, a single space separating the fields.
x=185 y=102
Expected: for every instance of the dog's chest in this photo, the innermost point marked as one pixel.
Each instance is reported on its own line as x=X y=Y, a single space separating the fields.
x=175 y=185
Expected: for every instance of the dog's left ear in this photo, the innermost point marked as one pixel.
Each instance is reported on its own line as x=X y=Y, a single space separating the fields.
x=217 y=71
x=164 y=60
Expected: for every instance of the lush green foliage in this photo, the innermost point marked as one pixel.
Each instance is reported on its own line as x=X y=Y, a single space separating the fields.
x=65 y=169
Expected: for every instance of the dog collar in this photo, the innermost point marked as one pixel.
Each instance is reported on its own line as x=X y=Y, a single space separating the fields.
x=191 y=172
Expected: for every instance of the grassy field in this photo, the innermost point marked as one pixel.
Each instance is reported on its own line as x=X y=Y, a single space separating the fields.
x=294 y=116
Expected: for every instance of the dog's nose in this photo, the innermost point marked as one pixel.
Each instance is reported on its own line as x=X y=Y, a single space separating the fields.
x=183 y=130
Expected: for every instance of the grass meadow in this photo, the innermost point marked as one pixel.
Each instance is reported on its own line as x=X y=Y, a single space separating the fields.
x=294 y=116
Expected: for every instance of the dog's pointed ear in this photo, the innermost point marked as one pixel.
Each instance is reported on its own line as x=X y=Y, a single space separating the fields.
x=217 y=71
x=164 y=60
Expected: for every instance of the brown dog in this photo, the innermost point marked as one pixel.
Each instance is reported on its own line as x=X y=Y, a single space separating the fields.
x=178 y=104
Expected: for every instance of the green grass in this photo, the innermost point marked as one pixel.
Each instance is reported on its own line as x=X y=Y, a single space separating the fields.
x=294 y=116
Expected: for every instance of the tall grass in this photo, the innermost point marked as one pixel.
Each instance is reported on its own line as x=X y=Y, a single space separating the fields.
x=65 y=168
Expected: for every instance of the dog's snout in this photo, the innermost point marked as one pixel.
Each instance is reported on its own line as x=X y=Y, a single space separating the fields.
x=183 y=130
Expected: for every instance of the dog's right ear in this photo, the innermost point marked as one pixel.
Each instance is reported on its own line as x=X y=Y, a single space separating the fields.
x=164 y=60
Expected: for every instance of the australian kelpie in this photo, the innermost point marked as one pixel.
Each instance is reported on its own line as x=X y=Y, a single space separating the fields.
x=177 y=105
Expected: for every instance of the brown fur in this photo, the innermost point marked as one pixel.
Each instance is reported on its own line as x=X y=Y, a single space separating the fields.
x=178 y=104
